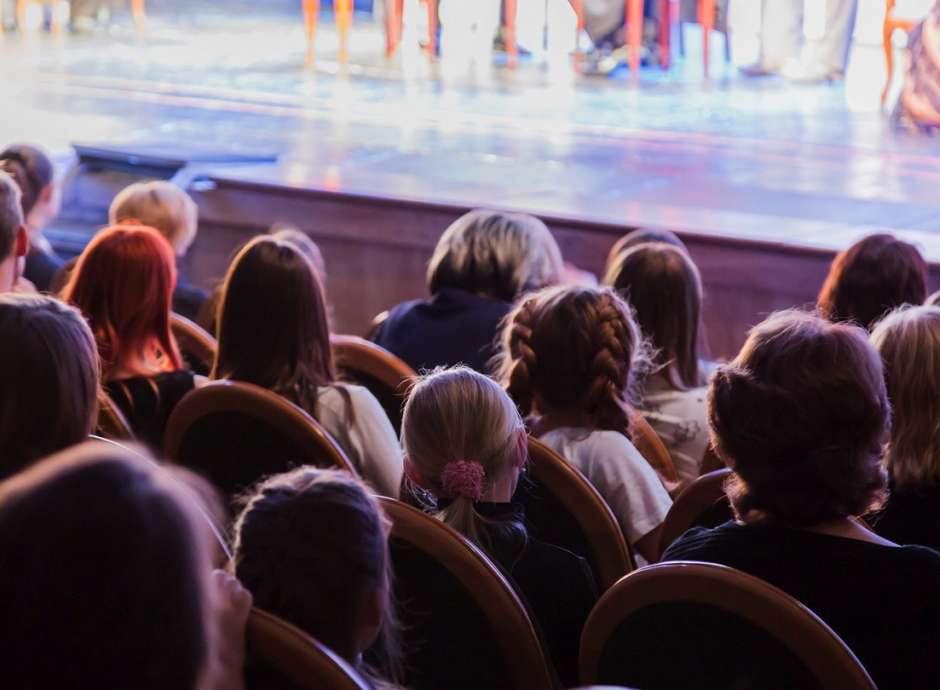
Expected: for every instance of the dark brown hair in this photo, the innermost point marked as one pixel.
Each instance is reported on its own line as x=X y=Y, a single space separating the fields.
x=311 y=545
x=801 y=416
x=51 y=379
x=31 y=169
x=272 y=325
x=573 y=348
x=871 y=278
x=103 y=575
x=663 y=286
x=642 y=236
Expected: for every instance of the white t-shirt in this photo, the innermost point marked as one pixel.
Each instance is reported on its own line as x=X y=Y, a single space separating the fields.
x=370 y=442
x=619 y=473
x=680 y=419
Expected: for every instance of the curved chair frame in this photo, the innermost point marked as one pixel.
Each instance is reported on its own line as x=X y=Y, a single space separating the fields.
x=697 y=497
x=359 y=354
x=800 y=630
x=236 y=396
x=890 y=25
x=112 y=424
x=609 y=548
x=652 y=448
x=304 y=661
x=514 y=632
x=194 y=339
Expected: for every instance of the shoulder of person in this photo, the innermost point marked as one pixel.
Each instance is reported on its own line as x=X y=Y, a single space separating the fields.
x=697 y=539
x=360 y=397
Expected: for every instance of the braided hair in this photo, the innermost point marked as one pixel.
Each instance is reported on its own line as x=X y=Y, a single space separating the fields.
x=574 y=348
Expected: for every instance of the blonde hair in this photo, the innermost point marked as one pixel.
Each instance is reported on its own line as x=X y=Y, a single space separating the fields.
x=574 y=347
x=459 y=417
x=161 y=205
x=501 y=255
x=908 y=340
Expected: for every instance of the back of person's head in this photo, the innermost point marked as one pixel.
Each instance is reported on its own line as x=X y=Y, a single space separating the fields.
x=103 y=575
x=12 y=226
x=51 y=379
x=800 y=416
x=311 y=546
x=642 y=236
x=500 y=255
x=461 y=433
x=161 y=205
x=908 y=340
x=872 y=277
x=664 y=288
x=272 y=324
x=573 y=348
x=32 y=171
x=305 y=244
x=123 y=283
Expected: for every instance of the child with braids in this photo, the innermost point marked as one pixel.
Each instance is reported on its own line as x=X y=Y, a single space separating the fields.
x=465 y=444
x=569 y=358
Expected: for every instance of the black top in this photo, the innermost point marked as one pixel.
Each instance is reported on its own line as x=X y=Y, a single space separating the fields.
x=41 y=268
x=911 y=517
x=453 y=327
x=148 y=402
x=883 y=601
x=188 y=299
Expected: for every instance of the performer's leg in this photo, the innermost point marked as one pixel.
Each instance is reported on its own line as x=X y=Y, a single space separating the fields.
x=781 y=32
x=833 y=49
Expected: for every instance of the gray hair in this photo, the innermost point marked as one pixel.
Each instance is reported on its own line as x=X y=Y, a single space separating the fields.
x=11 y=213
x=498 y=254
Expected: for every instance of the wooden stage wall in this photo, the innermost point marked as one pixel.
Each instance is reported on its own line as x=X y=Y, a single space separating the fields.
x=376 y=251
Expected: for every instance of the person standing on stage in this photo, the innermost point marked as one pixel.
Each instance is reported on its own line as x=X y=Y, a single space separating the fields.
x=784 y=50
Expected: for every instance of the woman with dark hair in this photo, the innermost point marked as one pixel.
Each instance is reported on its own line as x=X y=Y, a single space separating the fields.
x=41 y=200
x=311 y=546
x=872 y=277
x=481 y=264
x=908 y=340
x=273 y=332
x=123 y=283
x=801 y=416
x=50 y=379
x=106 y=583
x=663 y=287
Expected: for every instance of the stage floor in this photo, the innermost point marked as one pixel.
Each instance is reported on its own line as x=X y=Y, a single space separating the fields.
x=756 y=159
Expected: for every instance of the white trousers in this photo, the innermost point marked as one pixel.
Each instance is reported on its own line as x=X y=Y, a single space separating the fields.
x=782 y=33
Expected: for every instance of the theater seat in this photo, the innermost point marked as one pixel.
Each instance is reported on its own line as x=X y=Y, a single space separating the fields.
x=196 y=345
x=235 y=433
x=703 y=503
x=701 y=626
x=111 y=421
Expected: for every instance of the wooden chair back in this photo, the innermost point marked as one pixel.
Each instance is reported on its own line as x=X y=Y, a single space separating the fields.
x=112 y=424
x=387 y=377
x=274 y=646
x=196 y=345
x=563 y=508
x=673 y=624
x=234 y=433
x=652 y=448
x=464 y=627
x=890 y=25
x=703 y=503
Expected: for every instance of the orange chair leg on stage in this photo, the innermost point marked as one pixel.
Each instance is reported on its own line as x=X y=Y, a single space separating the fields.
x=432 y=27
x=706 y=17
x=394 y=9
x=139 y=12
x=343 y=11
x=634 y=34
x=311 y=10
x=512 y=50
x=890 y=24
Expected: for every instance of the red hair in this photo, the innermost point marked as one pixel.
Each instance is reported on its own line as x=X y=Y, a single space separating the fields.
x=123 y=283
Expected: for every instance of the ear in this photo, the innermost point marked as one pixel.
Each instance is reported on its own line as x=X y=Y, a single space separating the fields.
x=21 y=247
x=370 y=623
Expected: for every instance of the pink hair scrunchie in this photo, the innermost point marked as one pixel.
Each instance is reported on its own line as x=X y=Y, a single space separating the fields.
x=463 y=478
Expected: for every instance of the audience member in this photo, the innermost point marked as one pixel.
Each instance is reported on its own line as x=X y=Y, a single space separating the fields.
x=107 y=583
x=663 y=287
x=800 y=416
x=908 y=340
x=123 y=283
x=14 y=238
x=638 y=237
x=33 y=173
x=570 y=357
x=305 y=244
x=166 y=207
x=50 y=379
x=273 y=332
x=872 y=277
x=312 y=548
x=466 y=444
x=482 y=263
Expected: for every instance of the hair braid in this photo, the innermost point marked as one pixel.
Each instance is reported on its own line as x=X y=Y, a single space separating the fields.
x=615 y=343
x=523 y=360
